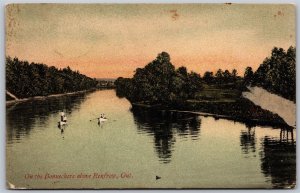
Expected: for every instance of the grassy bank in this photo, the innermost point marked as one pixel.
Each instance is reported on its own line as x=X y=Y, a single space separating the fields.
x=226 y=101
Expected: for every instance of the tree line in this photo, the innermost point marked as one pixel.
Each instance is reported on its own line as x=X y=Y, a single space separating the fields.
x=26 y=79
x=221 y=77
x=160 y=83
x=276 y=74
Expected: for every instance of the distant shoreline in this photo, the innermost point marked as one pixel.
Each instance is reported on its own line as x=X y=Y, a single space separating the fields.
x=10 y=102
x=239 y=119
x=275 y=120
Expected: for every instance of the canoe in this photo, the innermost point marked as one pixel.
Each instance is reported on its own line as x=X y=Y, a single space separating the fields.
x=61 y=123
x=102 y=119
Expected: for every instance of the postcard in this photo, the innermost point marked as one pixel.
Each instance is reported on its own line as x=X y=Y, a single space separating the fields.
x=147 y=96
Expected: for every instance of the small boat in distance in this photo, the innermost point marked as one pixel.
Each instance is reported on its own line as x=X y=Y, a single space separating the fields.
x=101 y=119
x=61 y=123
x=63 y=117
x=63 y=120
x=102 y=116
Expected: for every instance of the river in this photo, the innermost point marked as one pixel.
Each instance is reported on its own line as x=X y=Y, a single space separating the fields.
x=139 y=148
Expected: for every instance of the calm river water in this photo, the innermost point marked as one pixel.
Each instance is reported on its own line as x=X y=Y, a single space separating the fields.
x=136 y=145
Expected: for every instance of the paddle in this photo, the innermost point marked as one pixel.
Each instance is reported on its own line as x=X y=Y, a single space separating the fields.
x=97 y=118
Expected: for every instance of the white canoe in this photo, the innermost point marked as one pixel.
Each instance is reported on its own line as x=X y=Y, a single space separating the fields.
x=102 y=119
x=61 y=123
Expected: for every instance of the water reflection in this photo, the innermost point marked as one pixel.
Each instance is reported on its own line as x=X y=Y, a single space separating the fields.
x=278 y=159
x=227 y=155
x=248 y=140
x=278 y=155
x=37 y=112
x=164 y=126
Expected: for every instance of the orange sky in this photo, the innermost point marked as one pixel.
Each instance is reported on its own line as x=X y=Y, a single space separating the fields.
x=108 y=41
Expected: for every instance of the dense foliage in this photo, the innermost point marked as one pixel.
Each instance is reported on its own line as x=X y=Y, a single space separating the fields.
x=221 y=77
x=277 y=73
x=159 y=83
x=28 y=80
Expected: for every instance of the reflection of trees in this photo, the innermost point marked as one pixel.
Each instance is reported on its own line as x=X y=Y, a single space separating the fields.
x=248 y=140
x=163 y=125
x=164 y=141
x=278 y=159
x=22 y=117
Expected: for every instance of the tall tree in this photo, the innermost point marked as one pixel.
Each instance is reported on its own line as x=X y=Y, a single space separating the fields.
x=277 y=73
x=208 y=77
x=160 y=83
x=248 y=75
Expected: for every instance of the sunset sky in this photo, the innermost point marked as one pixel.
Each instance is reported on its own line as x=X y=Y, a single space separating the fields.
x=108 y=41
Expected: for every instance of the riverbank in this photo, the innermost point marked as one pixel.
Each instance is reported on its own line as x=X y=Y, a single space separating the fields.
x=11 y=102
x=226 y=103
x=249 y=114
x=274 y=103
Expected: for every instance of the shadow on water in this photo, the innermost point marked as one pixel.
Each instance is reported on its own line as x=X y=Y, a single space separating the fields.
x=21 y=118
x=164 y=126
x=277 y=155
x=248 y=140
x=62 y=129
x=278 y=159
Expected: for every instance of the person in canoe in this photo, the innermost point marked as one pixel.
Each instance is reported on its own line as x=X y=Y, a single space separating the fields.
x=65 y=118
x=102 y=118
x=62 y=115
x=61 y=124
